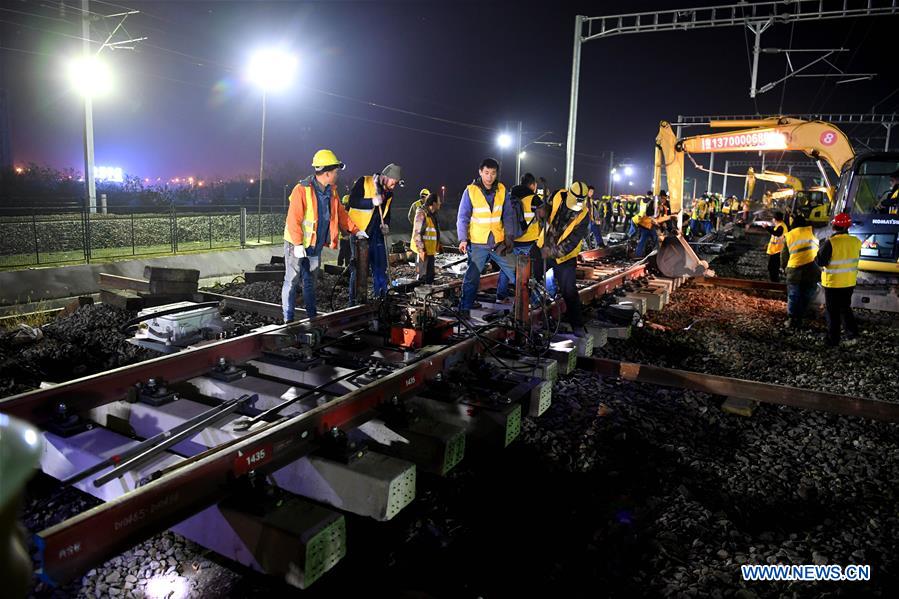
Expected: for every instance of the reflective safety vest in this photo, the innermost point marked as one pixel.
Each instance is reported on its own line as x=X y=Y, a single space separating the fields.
x=595 y=211
x=534 y=232
x=310 y=215
x=776 y=244
x=557 y=201
x=616 y=207
x=803 y=246
x=894 y=209
x=699 y=210
x=345 y=200
x=641 y=220
x=642 y=209
x=485 y=221
x=428 y=235
x=362 y=216
x=725 y=207
x=843 y=268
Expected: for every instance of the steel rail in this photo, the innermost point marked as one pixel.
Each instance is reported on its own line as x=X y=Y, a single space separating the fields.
x=80 y=395
x=796 y=397
x=71 y=547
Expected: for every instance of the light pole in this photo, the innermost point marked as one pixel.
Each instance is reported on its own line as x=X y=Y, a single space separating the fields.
x=504 y=141
x=269 y=70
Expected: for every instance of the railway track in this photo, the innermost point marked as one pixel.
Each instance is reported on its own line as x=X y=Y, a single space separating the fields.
x=190 y=434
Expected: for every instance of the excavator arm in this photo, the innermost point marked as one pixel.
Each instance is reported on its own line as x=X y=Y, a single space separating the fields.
x=773 y=176
x=817 y=139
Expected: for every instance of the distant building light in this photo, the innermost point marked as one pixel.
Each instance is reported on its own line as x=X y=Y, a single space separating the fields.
x=252 y=180
x=109 y=173
x=19 y=170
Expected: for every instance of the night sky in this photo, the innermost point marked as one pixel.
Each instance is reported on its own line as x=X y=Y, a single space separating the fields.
x=181 y=106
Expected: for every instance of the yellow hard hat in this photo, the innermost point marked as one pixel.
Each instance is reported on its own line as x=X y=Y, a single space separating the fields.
x=324 y=159
x=425 y=192
x=578 y=189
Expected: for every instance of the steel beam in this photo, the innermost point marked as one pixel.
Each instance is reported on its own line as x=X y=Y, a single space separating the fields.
x=808 y=399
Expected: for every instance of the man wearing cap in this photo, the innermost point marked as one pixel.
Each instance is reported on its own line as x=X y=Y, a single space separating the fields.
x=889 y=201
x=564 y=240
x=314 y=220
x=485 y=229
x=532 y=215
x=838 y=257
x=370 y=201
x=413 y=209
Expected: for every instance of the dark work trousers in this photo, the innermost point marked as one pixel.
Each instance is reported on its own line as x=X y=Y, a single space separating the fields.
x=838 y=304
x=343 y=255
x=774 y=267
x=565 y=275
x=425 y=269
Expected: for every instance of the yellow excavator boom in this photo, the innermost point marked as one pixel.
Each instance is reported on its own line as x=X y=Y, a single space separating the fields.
x=817 y=139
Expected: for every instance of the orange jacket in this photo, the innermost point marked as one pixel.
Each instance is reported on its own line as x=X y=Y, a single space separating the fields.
x=296 y=213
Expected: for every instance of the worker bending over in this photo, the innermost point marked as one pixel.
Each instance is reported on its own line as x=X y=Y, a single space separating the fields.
x=426 y=237
x=528 y=210
x=314 y=219
x=798 y=257
x=564 y=240
x=838 y=257
x=370 y=201
x=485 y=231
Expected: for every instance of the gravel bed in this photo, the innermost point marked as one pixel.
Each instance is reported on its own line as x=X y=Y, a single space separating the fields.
x=85 y=342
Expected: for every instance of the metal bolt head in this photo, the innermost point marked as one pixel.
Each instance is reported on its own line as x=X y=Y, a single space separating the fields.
x=223 y=362
x=335 y=432
x=304 y=434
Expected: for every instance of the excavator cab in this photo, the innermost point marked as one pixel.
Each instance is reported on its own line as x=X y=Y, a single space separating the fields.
x=814 y=205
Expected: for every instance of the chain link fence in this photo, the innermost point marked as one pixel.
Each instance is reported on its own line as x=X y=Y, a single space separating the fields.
x=63 y=234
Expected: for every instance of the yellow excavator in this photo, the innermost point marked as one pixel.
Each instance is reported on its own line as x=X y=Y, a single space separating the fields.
x=863 y=181
x=772 y=176
x=815 y=203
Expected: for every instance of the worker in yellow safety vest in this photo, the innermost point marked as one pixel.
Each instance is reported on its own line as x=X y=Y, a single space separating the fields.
x=529 y=211
x=563 y=242
x=425 y=192
x=596 y=218
x=426 y=237
x=776 y=245
x=486 y=230
x=314 y=220
x=798 y=257
x=343 y=254
x=838 y=257
x=370 y=201
x=698 y=216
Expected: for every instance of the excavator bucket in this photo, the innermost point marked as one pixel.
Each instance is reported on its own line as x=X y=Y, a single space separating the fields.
x=675 y=258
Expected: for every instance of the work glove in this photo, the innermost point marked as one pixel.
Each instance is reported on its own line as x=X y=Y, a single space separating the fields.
x=361 y=234
x=313 y=263
x=299 y=251
x=376 y=201
x=385 y=229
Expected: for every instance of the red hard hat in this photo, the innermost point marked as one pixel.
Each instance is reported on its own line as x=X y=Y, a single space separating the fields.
x=841 y=220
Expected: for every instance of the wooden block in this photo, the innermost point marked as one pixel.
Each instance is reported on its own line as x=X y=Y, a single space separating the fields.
x=108 y=281
x=271 y=267
x=122 y=298
x=164 y=287
x=739 y=406
x=255 y=276
x=180 y=275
